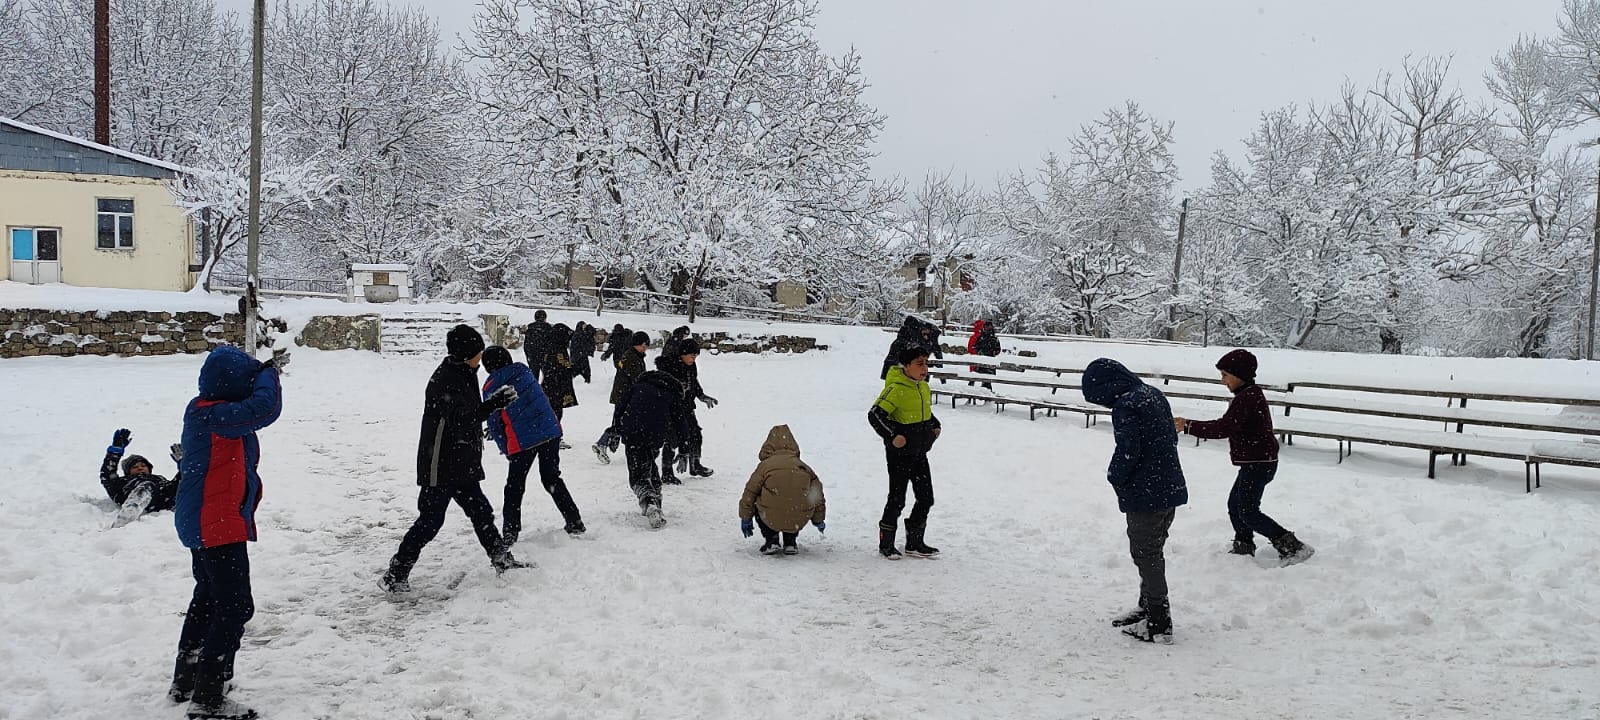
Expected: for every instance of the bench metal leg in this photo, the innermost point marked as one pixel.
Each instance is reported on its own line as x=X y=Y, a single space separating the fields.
x=1031 y=411
x=1432 y=456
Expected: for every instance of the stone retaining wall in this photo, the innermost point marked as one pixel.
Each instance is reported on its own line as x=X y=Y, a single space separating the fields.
x=28 y=333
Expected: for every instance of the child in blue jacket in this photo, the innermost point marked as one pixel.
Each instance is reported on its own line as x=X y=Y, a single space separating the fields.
x=1148 y=480
x=215 y=517
x=527 y=430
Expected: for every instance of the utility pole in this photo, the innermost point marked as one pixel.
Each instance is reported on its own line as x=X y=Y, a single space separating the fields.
x=102 y=71
x=1594 y=270
x=252 y=308
x=1177 y=267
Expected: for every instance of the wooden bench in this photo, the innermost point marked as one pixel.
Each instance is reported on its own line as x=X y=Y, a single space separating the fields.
x=1090 y=413
x=1443 y=442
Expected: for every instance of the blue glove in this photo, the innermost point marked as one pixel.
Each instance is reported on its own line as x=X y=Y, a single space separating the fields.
x=748 y=527
x=822 y=527
x=119 y=441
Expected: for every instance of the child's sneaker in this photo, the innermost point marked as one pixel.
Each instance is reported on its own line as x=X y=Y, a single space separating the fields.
x=576 y=528
x=601 y=454
x=223 y=709
x=506 y=561
x=1291 y=551
x=770 y=548
x=1146 y=631
x=652 y=512
x=1136 y=615
x=791 y=549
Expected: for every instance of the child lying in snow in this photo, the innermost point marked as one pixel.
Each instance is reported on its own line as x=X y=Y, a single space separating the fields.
x=783 y=494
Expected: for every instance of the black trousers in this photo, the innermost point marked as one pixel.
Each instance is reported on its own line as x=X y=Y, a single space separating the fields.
x=548 y=455
x=1147 y=540
x=691 y=442
x=432 y=502
x=773 y=536
x=1244 y=503
x=908 y=469
x=643 y=475
x=214 y=623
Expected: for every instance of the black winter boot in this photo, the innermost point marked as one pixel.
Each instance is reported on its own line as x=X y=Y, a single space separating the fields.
x=915 y=547
x=397 y=579
x=698 y=470
x=504 y=561
x=1130 y=617
x=1291 y=551
x=1155 y=628
x=886 y=542
x=1243 y=547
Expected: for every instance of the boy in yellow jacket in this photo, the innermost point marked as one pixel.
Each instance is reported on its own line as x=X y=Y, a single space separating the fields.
x=783 y=494
x=903 y=417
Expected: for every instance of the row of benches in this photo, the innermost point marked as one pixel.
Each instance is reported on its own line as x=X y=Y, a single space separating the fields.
x=1457 y=444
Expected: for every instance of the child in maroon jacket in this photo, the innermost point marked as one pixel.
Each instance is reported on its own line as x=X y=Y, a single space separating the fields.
x=1251 y=444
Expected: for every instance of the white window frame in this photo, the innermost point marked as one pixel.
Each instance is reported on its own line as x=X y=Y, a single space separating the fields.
x=119 y=242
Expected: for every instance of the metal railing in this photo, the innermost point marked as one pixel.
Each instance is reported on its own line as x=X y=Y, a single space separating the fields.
x=287 y=285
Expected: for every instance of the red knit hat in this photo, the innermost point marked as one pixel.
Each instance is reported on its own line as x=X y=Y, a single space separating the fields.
x=1240 y=364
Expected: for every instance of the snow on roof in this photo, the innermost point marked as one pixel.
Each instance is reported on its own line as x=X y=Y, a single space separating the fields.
x=380 y=267
x=136 y=157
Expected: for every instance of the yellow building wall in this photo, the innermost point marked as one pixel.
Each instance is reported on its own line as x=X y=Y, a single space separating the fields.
x=163 y=237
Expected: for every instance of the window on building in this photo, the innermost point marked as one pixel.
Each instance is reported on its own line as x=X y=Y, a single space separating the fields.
x=114 y=220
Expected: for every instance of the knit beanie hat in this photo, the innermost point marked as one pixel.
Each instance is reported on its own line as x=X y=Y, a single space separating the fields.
x=1240 y=364
x=910 y=353
x=495 y=357
x=463 y=343
x=639 y=338
x=131 y=460
x=688 y=346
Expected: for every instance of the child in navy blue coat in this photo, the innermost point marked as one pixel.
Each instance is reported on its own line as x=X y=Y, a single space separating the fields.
x=527 y=430
x=1148 y=480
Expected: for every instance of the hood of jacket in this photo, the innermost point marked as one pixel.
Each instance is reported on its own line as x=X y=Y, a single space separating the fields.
x=978 y=326
x=1105 y=380
x=509 y=374
x=780 y=441
x=665 y=381
x=228 y=374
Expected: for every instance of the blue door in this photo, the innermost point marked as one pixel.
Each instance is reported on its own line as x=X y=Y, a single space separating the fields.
x=35 y=255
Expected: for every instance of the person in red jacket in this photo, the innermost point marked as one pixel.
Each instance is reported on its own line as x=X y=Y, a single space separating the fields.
x=983 y=342
x=1254 y=449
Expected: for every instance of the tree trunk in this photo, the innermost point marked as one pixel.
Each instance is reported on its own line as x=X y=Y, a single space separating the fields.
x=694 y=285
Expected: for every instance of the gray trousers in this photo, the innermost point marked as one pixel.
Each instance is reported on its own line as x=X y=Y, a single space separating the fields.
x=1147 y=536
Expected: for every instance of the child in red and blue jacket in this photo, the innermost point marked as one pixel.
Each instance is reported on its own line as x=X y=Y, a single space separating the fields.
x=215 y=517
x=526 y=430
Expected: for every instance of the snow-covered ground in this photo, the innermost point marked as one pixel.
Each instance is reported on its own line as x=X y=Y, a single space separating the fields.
x=1455 y=598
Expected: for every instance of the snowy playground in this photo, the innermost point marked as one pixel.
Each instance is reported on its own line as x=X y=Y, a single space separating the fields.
x=1459 y=597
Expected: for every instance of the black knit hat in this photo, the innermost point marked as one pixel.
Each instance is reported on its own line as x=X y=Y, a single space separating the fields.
x=639 y=338
x=680 y=331
x=131 y=460
x=617 y=328
x=539 y=315
x=910 y=353
x=463 y=343
x=688 y=346
x=1240 y=364
x=495 y=357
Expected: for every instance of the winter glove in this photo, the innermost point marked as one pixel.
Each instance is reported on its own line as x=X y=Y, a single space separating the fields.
x=177 y=452
x=747 y=526
x=683 y=463
x=822 y=527
x=710 y=402
x=501 y=397
x=279 y=361
x=119 y=441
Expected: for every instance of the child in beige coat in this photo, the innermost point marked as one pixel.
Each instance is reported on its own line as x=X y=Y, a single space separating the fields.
x=782 y=496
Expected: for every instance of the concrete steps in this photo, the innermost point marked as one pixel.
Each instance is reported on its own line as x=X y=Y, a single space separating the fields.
x=420 y=333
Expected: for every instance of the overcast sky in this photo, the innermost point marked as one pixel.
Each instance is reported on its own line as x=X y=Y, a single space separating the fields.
x=983 y=87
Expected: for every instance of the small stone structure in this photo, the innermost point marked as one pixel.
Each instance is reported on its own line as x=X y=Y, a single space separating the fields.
x=380 y=283
x=29 y=333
